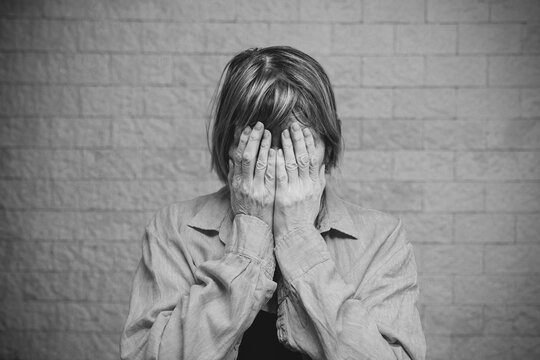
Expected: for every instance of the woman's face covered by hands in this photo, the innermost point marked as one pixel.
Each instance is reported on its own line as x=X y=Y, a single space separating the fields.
x=282 y=187
x=276 y=136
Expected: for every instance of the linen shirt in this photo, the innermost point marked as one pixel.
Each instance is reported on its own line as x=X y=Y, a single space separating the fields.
x=345 y=290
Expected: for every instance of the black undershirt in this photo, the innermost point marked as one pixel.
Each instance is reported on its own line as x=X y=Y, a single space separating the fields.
x=261 y=340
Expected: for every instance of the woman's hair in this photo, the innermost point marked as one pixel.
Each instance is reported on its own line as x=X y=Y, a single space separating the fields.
x=272 y=85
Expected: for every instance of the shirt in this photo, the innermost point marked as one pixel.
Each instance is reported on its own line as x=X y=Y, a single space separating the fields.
x=347 y=290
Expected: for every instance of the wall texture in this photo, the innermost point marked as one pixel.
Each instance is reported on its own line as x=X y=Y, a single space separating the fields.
x=102 y=111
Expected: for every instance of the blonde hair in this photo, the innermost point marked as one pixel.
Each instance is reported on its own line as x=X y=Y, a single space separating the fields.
x=272 y=85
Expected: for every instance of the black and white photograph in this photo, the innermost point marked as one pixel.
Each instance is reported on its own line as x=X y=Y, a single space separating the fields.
x=287 y=179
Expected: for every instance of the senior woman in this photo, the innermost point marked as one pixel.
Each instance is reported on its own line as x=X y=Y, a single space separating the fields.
x=274 y=264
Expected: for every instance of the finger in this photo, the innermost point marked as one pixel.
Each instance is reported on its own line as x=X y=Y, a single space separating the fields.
x=270 y=174
x=322 y=177
x=237 y=155
x=288 y=152
x=300 y=151
x=262 y=161
x=312 y=153
x=250 y=152
x=230 y=172
x=281 y=172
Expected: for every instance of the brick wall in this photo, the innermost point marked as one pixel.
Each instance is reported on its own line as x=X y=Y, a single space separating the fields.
x=102 y=110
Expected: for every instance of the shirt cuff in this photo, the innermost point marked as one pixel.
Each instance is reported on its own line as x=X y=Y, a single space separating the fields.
x=252 y=237
x=299 y=251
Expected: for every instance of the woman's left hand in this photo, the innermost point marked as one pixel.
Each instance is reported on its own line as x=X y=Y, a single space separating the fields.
x=300 y=182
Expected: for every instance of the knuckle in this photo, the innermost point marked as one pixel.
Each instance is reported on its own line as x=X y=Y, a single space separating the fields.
x=242 y=141
x=246 y=159
x=282 y=178
x=235 y=182
x=303 y=160
x=246 y=155
x=291 y=166
x=237 y=155
x=244 y=189
x=260 y=165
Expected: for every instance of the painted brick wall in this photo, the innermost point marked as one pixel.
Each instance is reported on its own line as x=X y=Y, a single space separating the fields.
x=102 y=110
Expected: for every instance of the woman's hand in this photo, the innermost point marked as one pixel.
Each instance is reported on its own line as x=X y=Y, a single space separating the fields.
x=300 y=182
x=251 y=179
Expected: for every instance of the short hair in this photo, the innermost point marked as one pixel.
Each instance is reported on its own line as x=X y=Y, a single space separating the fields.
x=272 y=85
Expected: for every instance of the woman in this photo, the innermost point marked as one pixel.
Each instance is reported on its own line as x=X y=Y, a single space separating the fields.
x=274 y=264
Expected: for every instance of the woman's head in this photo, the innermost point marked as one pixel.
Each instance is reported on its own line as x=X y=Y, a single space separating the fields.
x=274 y=85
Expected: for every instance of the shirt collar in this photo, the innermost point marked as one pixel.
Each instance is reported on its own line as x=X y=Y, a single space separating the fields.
x=216 y=214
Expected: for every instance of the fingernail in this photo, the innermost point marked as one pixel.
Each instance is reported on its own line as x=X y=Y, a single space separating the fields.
x=272 y=152
x=305 y=131
x=258 y=126
x=295 y=126
x=247 y=130
x=286 y=133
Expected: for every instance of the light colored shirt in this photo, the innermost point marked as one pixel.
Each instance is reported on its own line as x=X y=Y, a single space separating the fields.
x=347 y=290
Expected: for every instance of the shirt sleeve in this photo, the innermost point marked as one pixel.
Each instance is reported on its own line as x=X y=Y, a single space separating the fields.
x=378 y=319
x=181 y=312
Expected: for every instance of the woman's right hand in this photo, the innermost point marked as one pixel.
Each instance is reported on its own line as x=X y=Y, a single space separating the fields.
x=252 y=187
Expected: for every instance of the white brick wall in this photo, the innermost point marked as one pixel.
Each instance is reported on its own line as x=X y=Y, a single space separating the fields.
x=102 y=111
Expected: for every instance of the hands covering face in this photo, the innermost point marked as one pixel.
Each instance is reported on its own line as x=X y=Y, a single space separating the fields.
x=284 y=187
